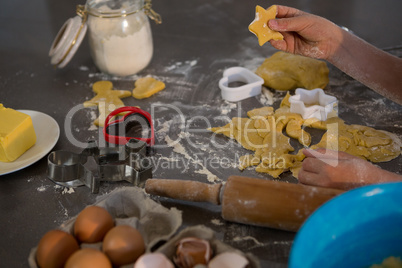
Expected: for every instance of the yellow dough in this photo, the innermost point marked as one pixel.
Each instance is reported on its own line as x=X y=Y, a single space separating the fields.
x=243 y=131
x=263 y=111
x=262 y=133
x=390 y=262
x=106 y=99
x=285 y=71
x=365 y=142
x=294 y=130
x=259 y=26
x=248 y=161
x=147 y=86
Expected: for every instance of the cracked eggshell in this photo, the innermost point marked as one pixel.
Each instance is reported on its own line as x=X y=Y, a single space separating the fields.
x=228 y=260
x=191 y=251
x=153 y=260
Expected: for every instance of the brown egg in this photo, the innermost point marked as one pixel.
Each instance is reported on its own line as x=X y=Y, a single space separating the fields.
x=123 y=245
x=191 y=251
x=54 y=248
x=92 y=224
x=88 y=257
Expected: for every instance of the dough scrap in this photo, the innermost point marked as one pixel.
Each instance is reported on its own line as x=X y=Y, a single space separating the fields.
x=106 y=99
x=147 y=86
x=294 y=130
x=285 y=101
x=262 y=133
x=248 y=160
x=263 y=111
x=246 y=134
x=390 y=262
x=243 y=131
x=275 y=173
x=261 y=117
x=259 y=26
x=285 y=71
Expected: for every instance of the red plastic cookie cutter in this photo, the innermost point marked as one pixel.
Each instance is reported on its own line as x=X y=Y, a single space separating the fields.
x=130 y=114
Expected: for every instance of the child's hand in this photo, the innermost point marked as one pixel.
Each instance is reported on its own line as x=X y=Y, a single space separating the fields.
x=334 y=169
x=305 y=34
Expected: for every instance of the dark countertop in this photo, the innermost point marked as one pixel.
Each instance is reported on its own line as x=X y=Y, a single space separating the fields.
x=195 y=43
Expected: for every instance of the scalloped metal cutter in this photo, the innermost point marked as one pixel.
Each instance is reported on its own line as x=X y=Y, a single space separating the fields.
x=94 y=164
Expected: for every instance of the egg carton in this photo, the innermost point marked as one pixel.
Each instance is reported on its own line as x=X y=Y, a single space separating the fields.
x=157 y=224
x=131 y=206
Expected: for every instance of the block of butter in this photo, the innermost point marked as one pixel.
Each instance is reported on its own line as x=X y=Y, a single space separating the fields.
x=17 y=134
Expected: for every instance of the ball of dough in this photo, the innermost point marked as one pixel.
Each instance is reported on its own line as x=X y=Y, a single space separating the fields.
x=285 y=71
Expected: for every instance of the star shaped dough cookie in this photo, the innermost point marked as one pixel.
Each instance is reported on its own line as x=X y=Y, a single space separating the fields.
x=106 y=99
x=259 y=26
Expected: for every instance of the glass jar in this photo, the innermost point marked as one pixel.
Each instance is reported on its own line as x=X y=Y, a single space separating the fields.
x=119 y=34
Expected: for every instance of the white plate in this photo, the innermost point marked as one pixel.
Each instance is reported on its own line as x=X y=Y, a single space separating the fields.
x=47 y=133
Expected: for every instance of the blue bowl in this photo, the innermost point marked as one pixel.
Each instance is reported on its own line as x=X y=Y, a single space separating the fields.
x=356 y=229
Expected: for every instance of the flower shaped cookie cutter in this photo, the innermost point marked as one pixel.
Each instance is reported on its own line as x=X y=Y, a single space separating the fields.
x=312 y=103
x=252 y=86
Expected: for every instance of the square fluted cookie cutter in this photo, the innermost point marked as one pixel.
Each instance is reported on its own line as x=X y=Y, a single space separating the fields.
x=95 y=164
x=312 y=103
x=252 y=87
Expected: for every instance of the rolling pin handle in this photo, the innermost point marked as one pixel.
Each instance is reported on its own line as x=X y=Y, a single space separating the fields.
x=184 y=190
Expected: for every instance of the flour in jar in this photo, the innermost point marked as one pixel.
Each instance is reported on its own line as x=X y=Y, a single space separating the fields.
x=120 y=46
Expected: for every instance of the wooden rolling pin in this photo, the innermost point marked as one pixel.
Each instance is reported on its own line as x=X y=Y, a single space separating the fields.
x=267 y=203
